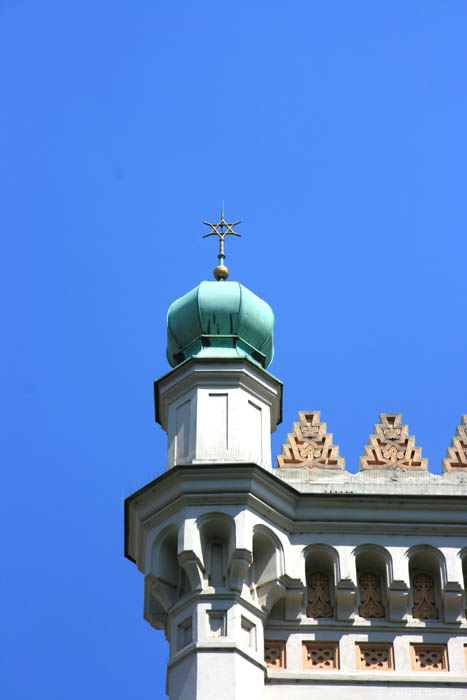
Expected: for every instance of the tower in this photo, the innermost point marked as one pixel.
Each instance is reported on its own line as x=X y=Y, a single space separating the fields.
x=305 y=579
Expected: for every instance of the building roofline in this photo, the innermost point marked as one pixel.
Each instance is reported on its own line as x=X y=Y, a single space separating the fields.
x=275 y=481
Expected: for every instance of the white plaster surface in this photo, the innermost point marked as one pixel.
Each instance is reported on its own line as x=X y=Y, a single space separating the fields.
x=216 y=413
x=214 y=674
x=241 y=502
x=223 y=545
x=384 y=481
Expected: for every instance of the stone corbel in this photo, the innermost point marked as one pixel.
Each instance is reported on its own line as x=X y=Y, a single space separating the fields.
x=452 y=601
x=291 y=589
x=398 y=599
x=240 y=562
x=346 y=592
x=164 y=593
x=269 y=593
x=190 y=562
x=294 y=595
x=154 y=611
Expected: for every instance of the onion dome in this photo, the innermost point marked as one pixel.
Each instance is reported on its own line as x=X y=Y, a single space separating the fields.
x=220 y=320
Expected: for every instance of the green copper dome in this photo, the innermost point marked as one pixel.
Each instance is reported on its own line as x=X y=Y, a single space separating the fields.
x=220 y=319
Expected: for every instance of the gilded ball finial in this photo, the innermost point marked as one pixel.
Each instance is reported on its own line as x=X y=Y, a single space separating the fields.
x=221 y=272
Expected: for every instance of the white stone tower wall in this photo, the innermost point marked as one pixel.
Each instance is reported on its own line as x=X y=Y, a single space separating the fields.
x=242 y=596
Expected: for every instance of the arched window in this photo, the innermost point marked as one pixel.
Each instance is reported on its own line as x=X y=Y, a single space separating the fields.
x=372 y=575
x=320 y=570
x=425 y=578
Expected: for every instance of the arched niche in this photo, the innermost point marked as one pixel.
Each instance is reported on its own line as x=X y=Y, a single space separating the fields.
x=169 y=580
x=164 y=562
x=374 y=575
x=427 y=570
x=277 y=611
x=322 y=574
x=217 y=544
x=267 y=564
x=463 y=558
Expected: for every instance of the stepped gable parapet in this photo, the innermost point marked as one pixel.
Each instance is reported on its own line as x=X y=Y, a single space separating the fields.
x=456 y=455
x=391 y=447
x=310 y=445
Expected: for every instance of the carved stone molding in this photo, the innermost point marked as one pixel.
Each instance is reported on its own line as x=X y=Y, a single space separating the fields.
x=310 y=445
x=391 y=446
x=456 y=455
x=319 y=595
x=424 y=597
x=371 y=602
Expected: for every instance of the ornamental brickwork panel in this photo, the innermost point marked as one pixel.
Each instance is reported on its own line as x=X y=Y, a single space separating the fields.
x=392 y=447
x=371 y=601
x=321 y=656
x=424 y=597
x=319 y=596
x=310 y=445
x=274 y=654
x=456 y=455
x=374 y=657
x=429 y=657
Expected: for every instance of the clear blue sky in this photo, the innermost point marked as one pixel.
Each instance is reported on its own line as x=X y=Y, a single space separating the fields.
x=337 y=132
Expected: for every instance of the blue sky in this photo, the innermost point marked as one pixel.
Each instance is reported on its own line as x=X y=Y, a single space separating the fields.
x=337 y=132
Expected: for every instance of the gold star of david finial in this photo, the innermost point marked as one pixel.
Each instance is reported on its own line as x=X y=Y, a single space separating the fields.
x=221 y=272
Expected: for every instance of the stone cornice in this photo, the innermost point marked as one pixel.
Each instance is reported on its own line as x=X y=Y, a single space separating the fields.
x=208 y=595
x=371 y=678
x=218 y=646
x=409 y=628
x=251 y=486
x=219 y=372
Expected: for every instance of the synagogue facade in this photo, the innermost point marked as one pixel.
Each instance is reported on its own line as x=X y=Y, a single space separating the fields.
x=304 y=579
